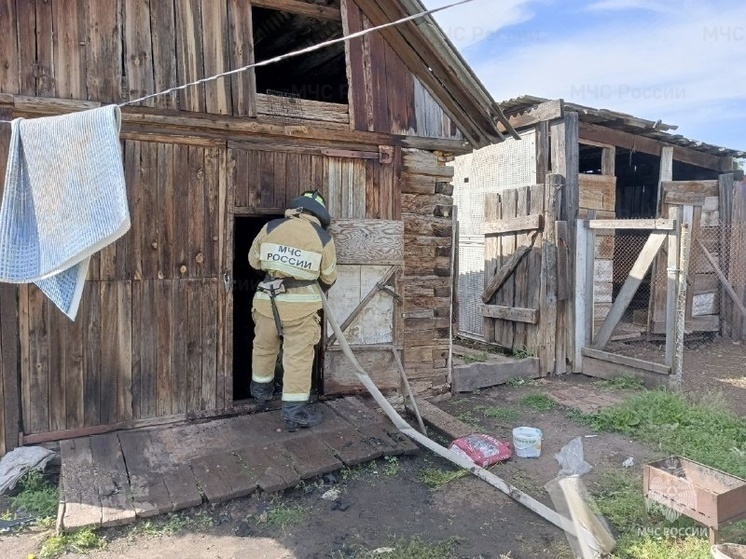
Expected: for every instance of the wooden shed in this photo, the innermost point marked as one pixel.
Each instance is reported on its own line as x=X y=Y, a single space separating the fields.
x=520 y=264
x=164 y=330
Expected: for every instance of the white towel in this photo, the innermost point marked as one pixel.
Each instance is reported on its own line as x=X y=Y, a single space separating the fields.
x=64 y=199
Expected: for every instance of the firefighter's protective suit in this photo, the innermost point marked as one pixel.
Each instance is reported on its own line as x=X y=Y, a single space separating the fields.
x=295 y=253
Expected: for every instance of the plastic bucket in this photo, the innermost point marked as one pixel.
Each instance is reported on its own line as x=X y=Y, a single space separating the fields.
x=527 y=442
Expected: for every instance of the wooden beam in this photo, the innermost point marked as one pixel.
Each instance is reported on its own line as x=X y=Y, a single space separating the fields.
x=726 y=284
x=629 y=361
x=504 y=272
x=548 y=289
x=650 y=146
x=300 y=7
x=513 y=225
x=549 y=110
x=563 y=248
x=636 y=275
x=584 y=259
x=514 y=314
x=652 y=224
x=467 y=378
x=608 y=161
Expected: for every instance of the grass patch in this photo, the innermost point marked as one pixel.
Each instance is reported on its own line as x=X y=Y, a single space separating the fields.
x=706 y=431
x=538 y=402
x=81 y=541
x=283 y=516
x=469 y=358
x=623 y=382
x=170 y=524
x=37 y=496
x=651 y=547
x=436 y=478
x=470 y=419
x=412 y=548
x=501 y=414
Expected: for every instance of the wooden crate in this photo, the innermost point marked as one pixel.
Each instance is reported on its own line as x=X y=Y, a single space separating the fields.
x=704 y=494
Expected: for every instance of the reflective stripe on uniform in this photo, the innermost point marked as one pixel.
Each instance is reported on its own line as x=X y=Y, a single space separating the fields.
x=328 y=271
x=290 y=297
x=261 y=379
x=295 y=397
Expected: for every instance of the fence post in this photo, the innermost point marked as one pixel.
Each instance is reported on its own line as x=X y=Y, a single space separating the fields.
x=672 y=282
x=548 y=295
x=584 y=263
x=677 y=370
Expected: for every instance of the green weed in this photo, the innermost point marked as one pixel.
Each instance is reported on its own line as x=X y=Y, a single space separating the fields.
x=538 y=402
x=436 y=478
x=81 y=541
x=623 y=382
x=521 y=353
x=412 y=548
x=652 y=547
x=284 y=516
x=37 y=497
x=392 y=466
x=469 y=418
x=706 y=432
x=479 y=358
x=501 y=414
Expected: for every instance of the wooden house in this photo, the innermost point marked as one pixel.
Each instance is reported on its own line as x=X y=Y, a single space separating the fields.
x=164 y=330
x=518 y=274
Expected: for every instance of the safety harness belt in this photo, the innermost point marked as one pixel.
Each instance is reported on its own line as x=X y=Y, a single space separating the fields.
x=273 y=287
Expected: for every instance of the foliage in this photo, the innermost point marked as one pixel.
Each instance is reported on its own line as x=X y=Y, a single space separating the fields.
x=501 y=414
x=413 y=548
x=77 y=542
x=479 y=358
x=284 y=516
x=436 y=478
x=705 y=431
x=624 y=382
x=538 y=402
x=37 y=497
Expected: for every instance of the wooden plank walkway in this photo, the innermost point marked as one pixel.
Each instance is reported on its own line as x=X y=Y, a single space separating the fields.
x=114 y=478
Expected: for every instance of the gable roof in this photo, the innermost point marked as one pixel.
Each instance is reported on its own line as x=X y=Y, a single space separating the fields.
x=434 y=60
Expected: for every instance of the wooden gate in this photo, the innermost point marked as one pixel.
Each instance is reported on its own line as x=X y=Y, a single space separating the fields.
x=526 y=283
x=694 y=203
x=591 y=339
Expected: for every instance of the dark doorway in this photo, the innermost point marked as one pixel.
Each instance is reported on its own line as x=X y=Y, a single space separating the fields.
x=245 y=281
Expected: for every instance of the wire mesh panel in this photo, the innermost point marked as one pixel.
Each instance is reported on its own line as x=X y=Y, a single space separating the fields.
x=623 y=268
x=489 y=170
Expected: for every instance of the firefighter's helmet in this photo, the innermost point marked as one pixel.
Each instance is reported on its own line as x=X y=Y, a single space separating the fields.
x=313 y=202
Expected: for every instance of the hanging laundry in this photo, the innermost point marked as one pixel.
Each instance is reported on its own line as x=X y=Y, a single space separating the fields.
x=64 y=199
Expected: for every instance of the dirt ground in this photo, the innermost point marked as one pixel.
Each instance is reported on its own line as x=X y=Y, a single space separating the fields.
x=387 y=500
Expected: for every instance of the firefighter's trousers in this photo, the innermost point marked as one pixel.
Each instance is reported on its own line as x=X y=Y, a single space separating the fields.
x=299 y=337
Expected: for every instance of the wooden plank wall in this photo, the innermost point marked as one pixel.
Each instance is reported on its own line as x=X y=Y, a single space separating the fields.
x=426 y=209
x=9 y=324
x=145 y=341
x=735 y=243
x=598 y=198
x=385 y=95
x=356 y=186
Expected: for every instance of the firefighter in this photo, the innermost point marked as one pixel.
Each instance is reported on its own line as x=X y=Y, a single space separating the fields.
x=295 y=253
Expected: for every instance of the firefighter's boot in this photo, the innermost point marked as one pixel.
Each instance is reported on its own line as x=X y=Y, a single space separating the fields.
x=262 y=392
x=300 y=415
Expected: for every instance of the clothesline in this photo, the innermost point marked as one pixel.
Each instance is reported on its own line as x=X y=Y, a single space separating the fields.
x=279 y=58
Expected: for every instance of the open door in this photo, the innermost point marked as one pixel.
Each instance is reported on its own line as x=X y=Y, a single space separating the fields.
x=365 y=301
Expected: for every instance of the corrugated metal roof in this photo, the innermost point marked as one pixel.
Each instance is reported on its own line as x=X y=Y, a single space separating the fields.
x=656 y=130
